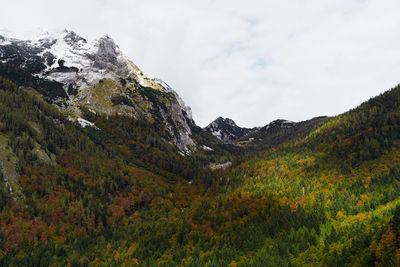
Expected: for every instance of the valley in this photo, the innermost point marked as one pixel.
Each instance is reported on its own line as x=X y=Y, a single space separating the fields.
x=103 y=166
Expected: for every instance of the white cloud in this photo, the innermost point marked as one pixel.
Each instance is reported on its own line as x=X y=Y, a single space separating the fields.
x=252 y=61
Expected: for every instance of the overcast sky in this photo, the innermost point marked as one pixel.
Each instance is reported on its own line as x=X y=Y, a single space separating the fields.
x=252 y=61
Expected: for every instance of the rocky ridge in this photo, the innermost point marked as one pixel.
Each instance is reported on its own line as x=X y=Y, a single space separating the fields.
x=226 y=130
x=99 y=77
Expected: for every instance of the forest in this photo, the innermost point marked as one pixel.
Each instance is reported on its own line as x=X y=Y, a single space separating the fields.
x=118 y=195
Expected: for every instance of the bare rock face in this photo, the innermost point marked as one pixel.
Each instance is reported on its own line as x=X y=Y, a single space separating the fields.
x=72 y=38
x=98 y=75
x=181 y=114
x=107 y=54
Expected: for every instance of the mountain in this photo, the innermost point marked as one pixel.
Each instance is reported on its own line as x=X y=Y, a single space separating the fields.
x=226 y=130
x=258 y=138
x=91 y=174
x=97 y=77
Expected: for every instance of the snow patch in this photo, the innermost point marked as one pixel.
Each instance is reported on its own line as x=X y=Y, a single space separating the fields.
x=207 y=148
x=217 y=134
x=225 y=165
x=84 y=123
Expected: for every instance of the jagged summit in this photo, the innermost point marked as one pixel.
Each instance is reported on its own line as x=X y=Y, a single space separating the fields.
x=33 y=35
x=227 y=121
x=226 y=129
x=88 y=62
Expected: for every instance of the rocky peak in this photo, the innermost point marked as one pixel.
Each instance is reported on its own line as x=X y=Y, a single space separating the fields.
x=226 y=121
x=71 y=37
x=226 y=129
x=107 y=55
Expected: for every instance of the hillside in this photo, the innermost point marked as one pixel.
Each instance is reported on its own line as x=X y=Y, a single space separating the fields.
x=345 y=174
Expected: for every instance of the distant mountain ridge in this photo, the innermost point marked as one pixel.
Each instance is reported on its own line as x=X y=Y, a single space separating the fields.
x=226 y=130
x=280 y=131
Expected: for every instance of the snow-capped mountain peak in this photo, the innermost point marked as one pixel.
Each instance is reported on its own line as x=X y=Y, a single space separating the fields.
x=97 y=75
x=66 y=57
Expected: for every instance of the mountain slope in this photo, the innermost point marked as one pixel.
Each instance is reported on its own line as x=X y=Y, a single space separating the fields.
x=363 y=133
x=96 y=76
x=279 y=132
x=346 y=174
